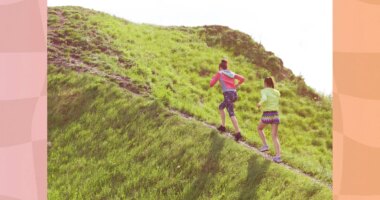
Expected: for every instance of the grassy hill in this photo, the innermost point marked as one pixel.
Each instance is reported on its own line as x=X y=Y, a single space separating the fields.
x=108 y=142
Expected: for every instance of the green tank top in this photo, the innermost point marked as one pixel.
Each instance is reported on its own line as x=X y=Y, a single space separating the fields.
x=270 y=99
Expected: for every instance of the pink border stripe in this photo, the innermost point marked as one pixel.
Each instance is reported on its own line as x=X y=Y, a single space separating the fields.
x=23 y=99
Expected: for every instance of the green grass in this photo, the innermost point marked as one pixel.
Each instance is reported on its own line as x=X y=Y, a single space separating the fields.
x=110 y=144
x=175 y=65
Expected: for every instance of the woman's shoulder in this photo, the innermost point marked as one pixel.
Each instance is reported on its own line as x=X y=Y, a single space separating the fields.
x=269 y=89
x=277 y=92
x=272 y=90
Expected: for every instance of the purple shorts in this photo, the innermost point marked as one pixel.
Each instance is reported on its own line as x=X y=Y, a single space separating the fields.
x=229 y=98
x=270 y=117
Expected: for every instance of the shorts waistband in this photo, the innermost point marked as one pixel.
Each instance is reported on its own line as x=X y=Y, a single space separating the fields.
x=230 y=91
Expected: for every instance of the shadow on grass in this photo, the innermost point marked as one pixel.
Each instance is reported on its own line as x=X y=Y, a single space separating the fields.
x=257 y=169
x=209 y=168
x=68 y=102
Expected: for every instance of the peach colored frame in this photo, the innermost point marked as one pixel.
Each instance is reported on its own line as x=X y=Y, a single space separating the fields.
x=356 y=99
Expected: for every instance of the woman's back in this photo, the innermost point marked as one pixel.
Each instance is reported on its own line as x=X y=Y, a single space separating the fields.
x=271 y=99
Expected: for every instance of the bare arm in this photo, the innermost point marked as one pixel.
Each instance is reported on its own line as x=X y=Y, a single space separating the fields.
x=263 y=99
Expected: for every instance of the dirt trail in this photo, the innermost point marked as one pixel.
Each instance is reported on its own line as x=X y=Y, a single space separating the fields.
x=126 y=83
x=256 y=150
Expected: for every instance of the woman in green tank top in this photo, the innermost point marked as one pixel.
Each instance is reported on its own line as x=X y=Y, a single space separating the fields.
x=269 y=102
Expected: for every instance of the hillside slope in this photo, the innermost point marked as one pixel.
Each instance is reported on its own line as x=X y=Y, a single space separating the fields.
x=173 y=65
x=110 y=144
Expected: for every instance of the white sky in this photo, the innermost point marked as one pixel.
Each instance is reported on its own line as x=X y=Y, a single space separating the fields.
x=298 y=31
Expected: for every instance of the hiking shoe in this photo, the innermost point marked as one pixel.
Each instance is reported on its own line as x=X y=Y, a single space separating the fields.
x=277 y=159
x=221 y=128
x=238 y=136
x=264 y=148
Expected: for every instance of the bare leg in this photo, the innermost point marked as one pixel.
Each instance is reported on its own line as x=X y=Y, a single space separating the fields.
x=235 y=123
x=260 y=129
x=275 y=139
x=223 y=117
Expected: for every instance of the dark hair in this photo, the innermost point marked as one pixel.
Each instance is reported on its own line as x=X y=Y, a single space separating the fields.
x=223 y=64
x=269 y=81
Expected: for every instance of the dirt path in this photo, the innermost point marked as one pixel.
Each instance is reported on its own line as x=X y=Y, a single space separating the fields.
x=256 y=150
x=126 y=83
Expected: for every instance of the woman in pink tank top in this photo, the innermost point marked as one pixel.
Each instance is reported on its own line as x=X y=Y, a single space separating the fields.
x=226 y=79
